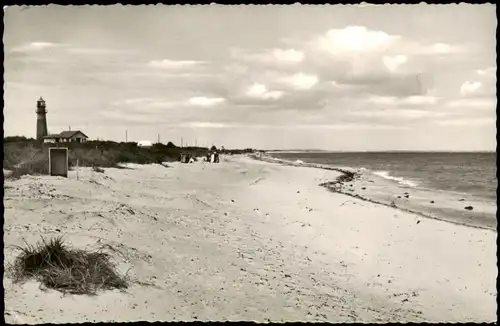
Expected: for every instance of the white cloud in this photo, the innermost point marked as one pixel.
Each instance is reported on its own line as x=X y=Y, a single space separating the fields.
x=414 y=48
x=96 y=51
x=133 y=101
x=339 y=126
x=36 y=46
x=260 y=91
x=207 y=125
x=205 y=101
x=235 y=68
x=203 y=124
x=470 y=88
x=131 y=117
x=170 y=74
x=415 y=114
x=174 y=64
x=289 y=55
x=146 y=102
x=490 y=71
x=301 y=81
x=407 y=101
x=419 y=100
x=158 y=103
x=357 y=39
x=473 y=103
x=393 y=62
x=484 y=85
x=150 y=104
x=390 y=114
x=348 y=126
x=274 y=56
x=361 y=40
x=164 y=104
x=344 y=87
x=382 y=100
x=467 y=122
x=440 y=48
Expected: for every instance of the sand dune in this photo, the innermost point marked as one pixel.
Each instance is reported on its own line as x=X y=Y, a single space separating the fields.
x=247 y=240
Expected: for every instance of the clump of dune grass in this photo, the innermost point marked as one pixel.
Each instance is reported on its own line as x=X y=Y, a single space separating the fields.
x=57 y=266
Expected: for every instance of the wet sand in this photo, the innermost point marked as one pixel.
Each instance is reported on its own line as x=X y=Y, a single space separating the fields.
x=247 y=240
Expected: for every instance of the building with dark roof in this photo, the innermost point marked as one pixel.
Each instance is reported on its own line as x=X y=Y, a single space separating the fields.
x=66 y=137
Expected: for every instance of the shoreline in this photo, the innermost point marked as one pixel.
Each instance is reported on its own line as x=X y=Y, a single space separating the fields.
x=351 y=184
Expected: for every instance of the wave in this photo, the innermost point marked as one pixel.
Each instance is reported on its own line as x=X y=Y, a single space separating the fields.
x=300 y=163
x=360 y=170
x=402 y=181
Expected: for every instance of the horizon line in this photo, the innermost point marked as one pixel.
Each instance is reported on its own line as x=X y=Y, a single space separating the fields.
x=379 y=151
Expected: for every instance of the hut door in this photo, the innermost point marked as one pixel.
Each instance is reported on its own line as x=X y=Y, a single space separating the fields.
x=58 y=161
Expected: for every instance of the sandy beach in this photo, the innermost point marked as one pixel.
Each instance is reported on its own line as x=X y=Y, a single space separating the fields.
x=247 y=240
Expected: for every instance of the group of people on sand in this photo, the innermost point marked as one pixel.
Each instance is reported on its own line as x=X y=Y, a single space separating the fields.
x=212 y=157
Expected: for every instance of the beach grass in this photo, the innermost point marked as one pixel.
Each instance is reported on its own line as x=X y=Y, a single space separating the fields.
x=57 y=266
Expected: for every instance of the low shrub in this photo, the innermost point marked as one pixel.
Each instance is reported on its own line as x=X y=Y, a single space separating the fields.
x=97 y=169
x=27 y=156
x=24 y=159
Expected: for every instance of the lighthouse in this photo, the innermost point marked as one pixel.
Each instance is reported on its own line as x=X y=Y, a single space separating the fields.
x=41 y=119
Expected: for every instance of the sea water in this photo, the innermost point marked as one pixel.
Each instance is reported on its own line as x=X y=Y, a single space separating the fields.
x=467 y=173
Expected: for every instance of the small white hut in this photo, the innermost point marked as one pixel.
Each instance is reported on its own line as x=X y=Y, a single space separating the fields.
x=144 y=144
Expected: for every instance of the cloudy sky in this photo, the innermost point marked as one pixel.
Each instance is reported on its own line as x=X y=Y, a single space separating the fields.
x=419 y=77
